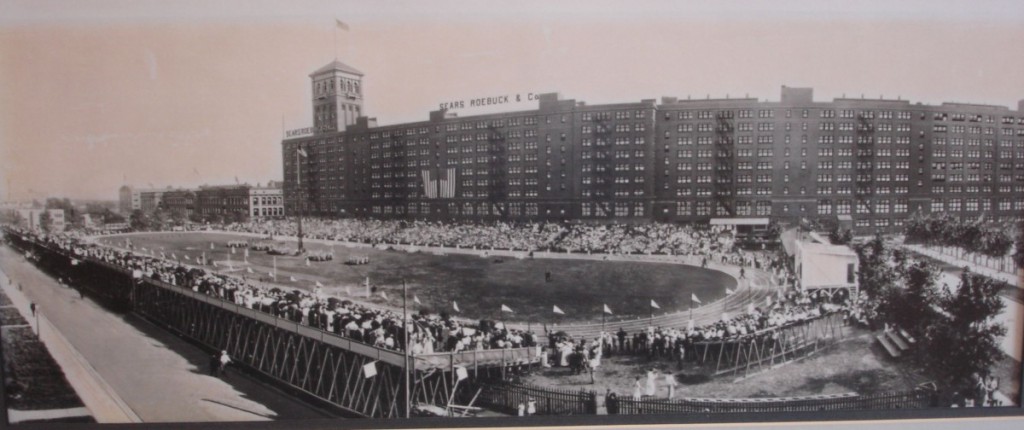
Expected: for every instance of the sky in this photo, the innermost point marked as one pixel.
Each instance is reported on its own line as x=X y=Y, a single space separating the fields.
x=100 y=93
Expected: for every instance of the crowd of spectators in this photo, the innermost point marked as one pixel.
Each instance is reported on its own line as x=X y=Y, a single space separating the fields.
x=379 y=327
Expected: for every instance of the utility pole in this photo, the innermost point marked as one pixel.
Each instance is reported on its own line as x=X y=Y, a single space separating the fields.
x=405 y=343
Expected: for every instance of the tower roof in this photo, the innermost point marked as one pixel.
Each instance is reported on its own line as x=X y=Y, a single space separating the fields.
x=336 y=65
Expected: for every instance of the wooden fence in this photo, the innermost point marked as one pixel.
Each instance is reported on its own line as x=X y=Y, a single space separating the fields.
x=506 y=397
x=917 y=399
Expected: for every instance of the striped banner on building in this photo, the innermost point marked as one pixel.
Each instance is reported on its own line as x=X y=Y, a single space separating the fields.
x=439 y=188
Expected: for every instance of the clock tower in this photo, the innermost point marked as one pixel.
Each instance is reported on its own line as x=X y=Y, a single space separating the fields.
x=337 y=96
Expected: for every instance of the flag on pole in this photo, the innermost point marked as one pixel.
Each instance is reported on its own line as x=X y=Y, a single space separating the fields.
x=654 y=304
x=174 y=256
x=302 y=152
x=319 y=284
x=416 y=299
x=248 y=269
x=340 y=24
x=729 y=292
x=215 y=264
x=607 y=310
x=232 y=250
x=272 y=275
x=557 y=310
x=694 y=298
x=384 y=295
x=689 y=326
x=455 y=305
x=292 y=278
x=506 y=309
x=370 y=369
x=186 y=257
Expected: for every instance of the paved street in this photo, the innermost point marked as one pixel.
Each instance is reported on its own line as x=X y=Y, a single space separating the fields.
x=160 y=377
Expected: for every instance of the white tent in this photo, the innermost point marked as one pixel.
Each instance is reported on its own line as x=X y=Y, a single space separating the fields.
x=823 y=266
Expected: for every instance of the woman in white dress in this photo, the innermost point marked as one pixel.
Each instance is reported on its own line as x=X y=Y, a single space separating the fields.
x=637 y=389
x=651 y=388
x=670 y=381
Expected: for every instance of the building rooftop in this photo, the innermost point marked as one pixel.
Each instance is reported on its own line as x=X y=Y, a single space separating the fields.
x=337 y=65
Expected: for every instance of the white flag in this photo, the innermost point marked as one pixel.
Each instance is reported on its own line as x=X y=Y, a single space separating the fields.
x=557 y=310
x=456 y=306
x=272 y=275
x=215 y=264
x=186 y=257
x=461 y=373
x=689 y=326
x=303 y=153
x=232 y=250
x=174 y=256
x=248 y=269
x=416 y=299
x=246 y=251
x=370 y=369
x=654 y=304
x=384 y=295
x=319 y=284
x=307 y=262
x=729 y=292
x=607 y=310
x=506 y=309
x=694 y=298
x=292 y=278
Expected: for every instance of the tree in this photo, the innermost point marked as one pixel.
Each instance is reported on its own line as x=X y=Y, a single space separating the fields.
x=874 y=273
x=139 y=221
x=966 y=341
x=45 y=222
x=911 y=305
x=1018 y=256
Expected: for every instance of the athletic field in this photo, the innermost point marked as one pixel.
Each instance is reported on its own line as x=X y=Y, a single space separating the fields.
x=479 y=284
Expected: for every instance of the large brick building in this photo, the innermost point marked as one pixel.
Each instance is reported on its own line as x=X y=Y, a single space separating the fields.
x=873 y=160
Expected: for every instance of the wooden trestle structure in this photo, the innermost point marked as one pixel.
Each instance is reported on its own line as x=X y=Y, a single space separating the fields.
x=313 y=363
x=767 y=348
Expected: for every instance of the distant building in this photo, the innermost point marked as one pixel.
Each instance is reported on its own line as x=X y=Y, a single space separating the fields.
x=266 y=201
x=181 y=202
x=32 y=219
x=131 y=199
x=873 y=162
x=223 y=201
x=126 y=203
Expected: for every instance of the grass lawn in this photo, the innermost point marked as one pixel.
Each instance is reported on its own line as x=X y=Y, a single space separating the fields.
x=480 y=285
x=34 y=380
x=10 y=316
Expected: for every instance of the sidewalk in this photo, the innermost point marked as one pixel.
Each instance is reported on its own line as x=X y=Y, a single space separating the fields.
x=1017 y=281
x=101 y=400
